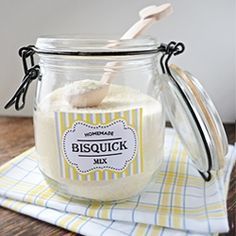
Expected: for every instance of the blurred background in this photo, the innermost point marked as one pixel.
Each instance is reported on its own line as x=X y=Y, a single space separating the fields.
x=206 y=27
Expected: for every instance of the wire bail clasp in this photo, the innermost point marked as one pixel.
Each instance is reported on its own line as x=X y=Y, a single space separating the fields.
x=169 y=50
x=31 y=71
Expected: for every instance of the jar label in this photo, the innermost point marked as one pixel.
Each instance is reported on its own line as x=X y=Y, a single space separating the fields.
x=100 y=146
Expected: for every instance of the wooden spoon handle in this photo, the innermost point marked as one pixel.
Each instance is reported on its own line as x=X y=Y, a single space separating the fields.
x=133 y=32
x=147 y=16
x=137 y=28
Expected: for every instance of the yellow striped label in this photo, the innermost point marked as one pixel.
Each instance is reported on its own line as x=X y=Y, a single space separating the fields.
x=65 y=122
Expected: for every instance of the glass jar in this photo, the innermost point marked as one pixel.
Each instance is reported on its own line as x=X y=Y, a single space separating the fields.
x=103 y=152
x=99 y=114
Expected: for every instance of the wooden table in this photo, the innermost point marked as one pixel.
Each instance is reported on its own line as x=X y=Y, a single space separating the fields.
x=17 y=136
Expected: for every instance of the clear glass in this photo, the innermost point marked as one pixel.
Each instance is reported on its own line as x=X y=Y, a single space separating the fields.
x=185 y=125
x=134 y=87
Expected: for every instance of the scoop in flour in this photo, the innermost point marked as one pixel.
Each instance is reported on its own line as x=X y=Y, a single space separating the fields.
x=94 y=91
x=86 y=93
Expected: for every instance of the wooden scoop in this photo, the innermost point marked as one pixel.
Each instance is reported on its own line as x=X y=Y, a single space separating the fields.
x=88 y=93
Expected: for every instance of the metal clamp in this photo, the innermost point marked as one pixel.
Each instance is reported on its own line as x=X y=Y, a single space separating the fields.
x=32 y=72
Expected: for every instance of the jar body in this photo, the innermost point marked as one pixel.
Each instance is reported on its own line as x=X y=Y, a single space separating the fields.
x=107 y=152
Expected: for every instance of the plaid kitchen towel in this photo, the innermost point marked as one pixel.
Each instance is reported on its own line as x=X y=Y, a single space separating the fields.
x=180 y=202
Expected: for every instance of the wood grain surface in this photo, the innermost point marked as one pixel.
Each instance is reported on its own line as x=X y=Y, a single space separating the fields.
x=17 y=136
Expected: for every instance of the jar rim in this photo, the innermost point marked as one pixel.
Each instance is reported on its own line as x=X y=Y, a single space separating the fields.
x=90 y=45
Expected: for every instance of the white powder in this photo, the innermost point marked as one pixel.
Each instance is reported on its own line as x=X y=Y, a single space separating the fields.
x=83 y=86
x=119 y=98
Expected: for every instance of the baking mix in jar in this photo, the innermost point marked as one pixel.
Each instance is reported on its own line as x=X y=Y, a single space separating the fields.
x=105 y=152
x=99 y=114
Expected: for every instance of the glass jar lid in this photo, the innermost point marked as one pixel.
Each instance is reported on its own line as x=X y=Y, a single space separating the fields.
x=195 y=119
